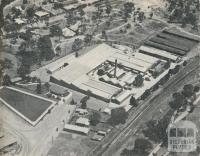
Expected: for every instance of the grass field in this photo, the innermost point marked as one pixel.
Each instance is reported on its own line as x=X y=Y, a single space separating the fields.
x=29 y=106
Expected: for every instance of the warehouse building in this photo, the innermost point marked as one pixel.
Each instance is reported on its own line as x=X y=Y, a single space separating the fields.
x=81 y=74
x=161 y=54
x=173 y=41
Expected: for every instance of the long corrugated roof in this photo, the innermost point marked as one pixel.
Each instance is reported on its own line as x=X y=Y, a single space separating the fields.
x=84 y=64
x=159 y=52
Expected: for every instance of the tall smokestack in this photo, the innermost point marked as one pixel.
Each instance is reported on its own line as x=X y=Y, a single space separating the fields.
x=115 y=71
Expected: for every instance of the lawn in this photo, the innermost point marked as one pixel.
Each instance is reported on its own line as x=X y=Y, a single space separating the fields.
x=31 y=107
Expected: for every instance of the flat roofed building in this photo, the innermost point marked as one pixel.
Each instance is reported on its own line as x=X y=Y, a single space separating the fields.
x=58 y=90
x=131 y=62
x=146 y=58
x=101 y=89
x=19 y=21
x=42 y=14
x=71 y=7
x=55 y=20
x=80 y=66
x=76 y=129
x=158 y=53
x=83 y=122
x=81 y=111
x=68 y=33
x=50 y=8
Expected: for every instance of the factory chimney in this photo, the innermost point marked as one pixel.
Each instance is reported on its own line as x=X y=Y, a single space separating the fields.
x=115 y=71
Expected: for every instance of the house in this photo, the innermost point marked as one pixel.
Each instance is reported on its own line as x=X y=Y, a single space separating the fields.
x=58 y=90
x=56 y=20
x=68 y=33
x=19 y=21
x=76 y=129
x=81 y=111
x=42 y=15
x=83 y=122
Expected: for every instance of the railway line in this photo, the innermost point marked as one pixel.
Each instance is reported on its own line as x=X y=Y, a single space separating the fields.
x=152 y=103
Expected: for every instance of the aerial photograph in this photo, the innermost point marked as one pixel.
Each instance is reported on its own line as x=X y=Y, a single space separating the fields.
x=99 y=77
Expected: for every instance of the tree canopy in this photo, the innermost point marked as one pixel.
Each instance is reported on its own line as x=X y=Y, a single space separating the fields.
x=45 y=48
x=142 y=148
x=118 y=116
x=95 y=118
x=139 y=80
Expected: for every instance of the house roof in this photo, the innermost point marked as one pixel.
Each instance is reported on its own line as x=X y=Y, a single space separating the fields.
x=67 y=32
x=19 y=21
x=77 y=128
x=58 y=89
x=41 y=13
x=83 y=121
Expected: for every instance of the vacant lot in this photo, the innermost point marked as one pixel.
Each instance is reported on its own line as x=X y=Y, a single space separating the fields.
x=29 y=106
x=68 y=144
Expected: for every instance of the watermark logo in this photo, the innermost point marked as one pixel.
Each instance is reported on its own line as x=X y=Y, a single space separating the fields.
x=182 y=137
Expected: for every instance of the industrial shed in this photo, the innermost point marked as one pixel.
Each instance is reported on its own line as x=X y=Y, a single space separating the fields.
x=161 y=54
x=173 y=41
x=81 y=73
x=76 y=129
x=74 y=75
x=135 y=63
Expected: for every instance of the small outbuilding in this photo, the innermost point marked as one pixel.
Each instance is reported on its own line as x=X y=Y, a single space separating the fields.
x=83 y=122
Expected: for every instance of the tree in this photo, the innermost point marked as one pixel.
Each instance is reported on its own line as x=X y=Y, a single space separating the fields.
x=84 y=102
x=81 y=12
x=156 y=130
x=45 y=48
x=176 y=69
x=56 y=30
x=167 y=64
x=23 y=70
x=77 y=44
x=25 y=1
x=108 y=8
x=133 y=101
x=95 y=118
x=185 y=63
x=30 y=12
x=128 y=8
x=139 y=80
x=87 y=39
x=188 y=90
x=7 y=64
x=73 y=102
x=6 y=80
x=70 y=19
x=39 y=88
x=196 y=89
x=178 y=101
x=84 y=105
x=104 y=35
x=58 y=5
x=145 y=94
x=142 y=148
x=118 y=116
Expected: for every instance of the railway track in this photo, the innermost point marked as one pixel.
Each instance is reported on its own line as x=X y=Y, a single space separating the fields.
x=145 y=107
